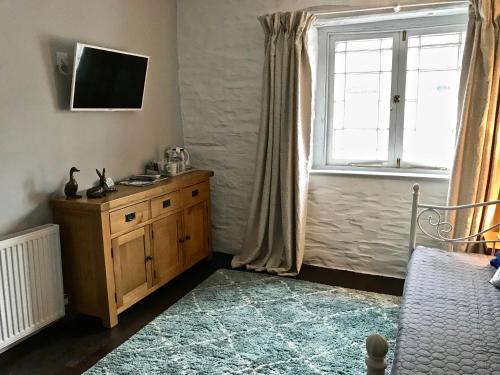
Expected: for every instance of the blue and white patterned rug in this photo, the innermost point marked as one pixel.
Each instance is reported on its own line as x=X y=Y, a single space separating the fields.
x=238 y=322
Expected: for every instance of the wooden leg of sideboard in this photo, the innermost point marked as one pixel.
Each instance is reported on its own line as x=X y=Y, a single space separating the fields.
x=109 y=314
x=110 y=321
x=209 y=228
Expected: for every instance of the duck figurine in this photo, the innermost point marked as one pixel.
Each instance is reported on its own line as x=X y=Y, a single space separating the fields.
x=71 y=186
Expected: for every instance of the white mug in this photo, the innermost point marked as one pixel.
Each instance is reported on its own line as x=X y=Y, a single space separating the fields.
x=172 y=168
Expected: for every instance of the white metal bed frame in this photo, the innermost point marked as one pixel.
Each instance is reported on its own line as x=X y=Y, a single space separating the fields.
x=431 y=215
x=442 y=227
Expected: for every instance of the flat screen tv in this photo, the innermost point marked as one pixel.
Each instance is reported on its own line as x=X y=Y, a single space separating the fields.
x=107 y=80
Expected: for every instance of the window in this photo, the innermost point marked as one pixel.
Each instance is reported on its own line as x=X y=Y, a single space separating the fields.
x=387 y=95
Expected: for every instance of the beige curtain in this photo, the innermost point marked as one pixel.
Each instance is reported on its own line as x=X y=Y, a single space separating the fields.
x=475 y=176
x=275 y=234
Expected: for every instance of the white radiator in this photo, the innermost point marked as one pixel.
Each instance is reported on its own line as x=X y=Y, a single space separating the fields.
x=31 y=290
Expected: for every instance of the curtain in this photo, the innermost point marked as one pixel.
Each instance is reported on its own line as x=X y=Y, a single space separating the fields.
x=275 y=233
x=475 y=175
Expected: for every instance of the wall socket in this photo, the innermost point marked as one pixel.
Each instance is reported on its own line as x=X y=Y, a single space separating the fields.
x=62 y=63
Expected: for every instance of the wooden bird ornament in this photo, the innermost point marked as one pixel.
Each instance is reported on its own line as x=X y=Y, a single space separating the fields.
x=71 y=186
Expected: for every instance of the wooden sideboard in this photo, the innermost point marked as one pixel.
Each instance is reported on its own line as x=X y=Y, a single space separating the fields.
x=118 y=249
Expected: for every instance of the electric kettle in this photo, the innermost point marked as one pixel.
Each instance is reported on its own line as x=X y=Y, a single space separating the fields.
x=179 y=156
x=184 y=161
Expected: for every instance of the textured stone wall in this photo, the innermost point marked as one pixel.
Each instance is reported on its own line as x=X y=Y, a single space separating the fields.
x=363 y=223
x=354 y=223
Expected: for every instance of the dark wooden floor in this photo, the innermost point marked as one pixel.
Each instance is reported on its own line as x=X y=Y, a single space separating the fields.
x=74 y=344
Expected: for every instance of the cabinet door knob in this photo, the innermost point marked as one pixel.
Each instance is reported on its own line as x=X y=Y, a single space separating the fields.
x=149 y=258
x=188 y=237
x=181 y=240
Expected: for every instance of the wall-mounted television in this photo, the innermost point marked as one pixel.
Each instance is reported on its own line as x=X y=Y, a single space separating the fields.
x=107 y=80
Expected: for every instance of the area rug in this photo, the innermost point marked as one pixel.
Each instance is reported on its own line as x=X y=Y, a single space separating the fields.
x=239 y=322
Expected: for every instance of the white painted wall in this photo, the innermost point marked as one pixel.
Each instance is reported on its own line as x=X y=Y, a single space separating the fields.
x=362 y=224
x=40 y=139
x=354 y=223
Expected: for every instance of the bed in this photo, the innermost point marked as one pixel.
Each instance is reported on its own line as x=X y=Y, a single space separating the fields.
x=449 y=321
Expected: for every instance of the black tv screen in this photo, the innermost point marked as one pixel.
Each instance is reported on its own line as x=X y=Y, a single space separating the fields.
x=105 y=79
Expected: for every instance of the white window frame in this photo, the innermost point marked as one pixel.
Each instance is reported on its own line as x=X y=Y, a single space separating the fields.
x=400 y=30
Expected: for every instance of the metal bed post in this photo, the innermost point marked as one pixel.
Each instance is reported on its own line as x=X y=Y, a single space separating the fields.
x=413 y=222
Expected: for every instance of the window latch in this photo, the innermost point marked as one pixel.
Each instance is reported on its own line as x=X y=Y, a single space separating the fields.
x=396 y=98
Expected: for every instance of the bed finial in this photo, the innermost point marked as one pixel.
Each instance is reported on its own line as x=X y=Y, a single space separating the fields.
x=416 y=188
x=376 y=350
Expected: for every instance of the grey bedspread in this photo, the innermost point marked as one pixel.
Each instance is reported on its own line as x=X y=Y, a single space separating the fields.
x=450 y=318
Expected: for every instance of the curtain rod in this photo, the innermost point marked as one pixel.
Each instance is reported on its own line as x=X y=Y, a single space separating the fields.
x=322 y=11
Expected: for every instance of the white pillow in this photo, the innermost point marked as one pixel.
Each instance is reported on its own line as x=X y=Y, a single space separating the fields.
x=495 y=280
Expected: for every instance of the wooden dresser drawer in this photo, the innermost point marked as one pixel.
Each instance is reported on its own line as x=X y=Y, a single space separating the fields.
x=128 y=217
x=195 y=194
x=165 y=203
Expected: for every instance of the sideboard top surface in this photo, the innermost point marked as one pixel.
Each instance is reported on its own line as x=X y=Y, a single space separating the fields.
x=130 y=194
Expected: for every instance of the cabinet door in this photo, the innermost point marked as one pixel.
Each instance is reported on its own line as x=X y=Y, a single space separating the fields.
x=167 y=257
x=132 y=266
x=195 y=246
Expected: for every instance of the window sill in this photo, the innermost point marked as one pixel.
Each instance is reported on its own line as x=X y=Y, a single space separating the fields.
x=402 y=173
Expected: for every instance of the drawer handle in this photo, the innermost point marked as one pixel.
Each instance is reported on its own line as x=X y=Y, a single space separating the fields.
x=194 y=193
x=188 y=237
x=129 y=217
x=166 y=203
